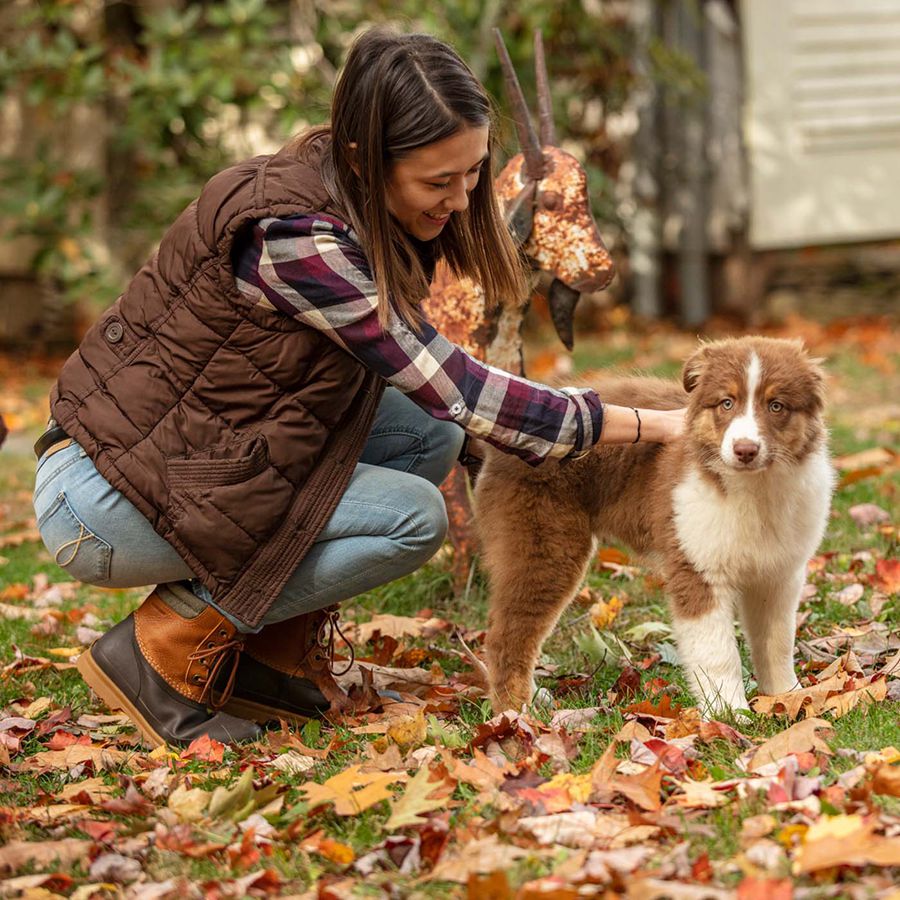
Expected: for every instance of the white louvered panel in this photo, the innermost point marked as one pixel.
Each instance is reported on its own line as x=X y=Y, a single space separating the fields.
x=823 y=119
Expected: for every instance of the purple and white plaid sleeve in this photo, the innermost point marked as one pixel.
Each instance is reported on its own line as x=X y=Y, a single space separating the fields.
x=311 y=267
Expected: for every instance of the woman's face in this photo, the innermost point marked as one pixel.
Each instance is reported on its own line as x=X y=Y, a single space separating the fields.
x=432 y=182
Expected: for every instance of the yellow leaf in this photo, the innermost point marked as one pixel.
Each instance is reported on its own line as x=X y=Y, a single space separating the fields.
x=65 y=652
x=848 y=841
x=578 y=787
x=36 y=707
x=189 y=804
x=408 y=731
x=415 y=800
x=352 y=791
x=603 y=612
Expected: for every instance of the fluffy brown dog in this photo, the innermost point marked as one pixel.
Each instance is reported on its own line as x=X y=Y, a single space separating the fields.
x=728 y=516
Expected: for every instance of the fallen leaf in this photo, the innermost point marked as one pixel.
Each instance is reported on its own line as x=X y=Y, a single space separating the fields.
x=845 y=841
x=841 y=704
x=887 y=576
x=416 y=799
x=868 y=514
x=100 y=757
x=604 y=612
x=408 y=731
x=886 y=780
x=397 y=627
x=204 y=748
x=113 y=867
x=811 y=701
x=799 y=738
x=293 y=763
x=479 y=856
x=17 y=854
x=765 y=889
x=352 y=791
x=850 y=595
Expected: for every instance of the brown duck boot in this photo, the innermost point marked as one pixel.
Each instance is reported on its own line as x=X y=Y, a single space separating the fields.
x=158 y=666
x=286 y=671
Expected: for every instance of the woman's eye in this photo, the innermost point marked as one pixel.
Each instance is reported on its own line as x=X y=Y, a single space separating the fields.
x=776 y=406
x=446 y=184
x=727 y=403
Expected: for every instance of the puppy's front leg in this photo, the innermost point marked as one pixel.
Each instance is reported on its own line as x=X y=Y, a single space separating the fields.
x=769 y=615
x=703 y=620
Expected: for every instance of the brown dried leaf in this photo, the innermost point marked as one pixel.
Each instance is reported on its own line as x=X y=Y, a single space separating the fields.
x=17 y=854
x=841 y=704
x=799 y=738
x=810 y=701
x=398 y=626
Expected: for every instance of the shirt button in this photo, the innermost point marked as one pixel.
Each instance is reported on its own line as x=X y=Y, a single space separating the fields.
x=456 y=409
x=114 y=332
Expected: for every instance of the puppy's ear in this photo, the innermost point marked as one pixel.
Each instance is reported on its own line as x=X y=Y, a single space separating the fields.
x=817 y=383
x=694 y=368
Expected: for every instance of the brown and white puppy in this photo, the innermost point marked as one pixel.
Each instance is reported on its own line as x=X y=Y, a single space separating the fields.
x=728 y=516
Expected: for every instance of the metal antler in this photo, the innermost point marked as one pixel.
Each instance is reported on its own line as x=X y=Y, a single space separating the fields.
x=528 y=141
x=545 y=103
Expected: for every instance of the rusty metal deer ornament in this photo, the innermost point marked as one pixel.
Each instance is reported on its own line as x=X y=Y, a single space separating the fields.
x=544 y=196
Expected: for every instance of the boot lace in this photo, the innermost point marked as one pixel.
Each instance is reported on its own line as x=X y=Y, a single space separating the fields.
x=328 y=627
x=214 y=658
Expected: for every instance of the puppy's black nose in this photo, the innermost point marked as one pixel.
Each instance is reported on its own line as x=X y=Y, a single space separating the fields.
x=746 y=451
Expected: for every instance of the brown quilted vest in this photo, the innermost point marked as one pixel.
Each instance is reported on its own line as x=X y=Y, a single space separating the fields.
x=233 y=428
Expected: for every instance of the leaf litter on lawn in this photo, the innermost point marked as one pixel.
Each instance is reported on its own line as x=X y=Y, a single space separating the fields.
x=618 y=795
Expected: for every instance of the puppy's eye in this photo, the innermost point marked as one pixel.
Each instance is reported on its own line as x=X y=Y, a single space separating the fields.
x=727 y=403
x=775 y=406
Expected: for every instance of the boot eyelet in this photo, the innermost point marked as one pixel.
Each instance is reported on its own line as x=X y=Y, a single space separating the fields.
x=197 y=679
x=223 y=633
x=210 y=644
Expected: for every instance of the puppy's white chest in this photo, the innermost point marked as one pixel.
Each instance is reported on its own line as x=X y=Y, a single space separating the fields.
x=762 y=525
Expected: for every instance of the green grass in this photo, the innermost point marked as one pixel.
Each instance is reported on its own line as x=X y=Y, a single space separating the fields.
x=715 y=832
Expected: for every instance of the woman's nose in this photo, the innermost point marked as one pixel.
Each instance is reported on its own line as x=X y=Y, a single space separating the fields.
x=458 y=200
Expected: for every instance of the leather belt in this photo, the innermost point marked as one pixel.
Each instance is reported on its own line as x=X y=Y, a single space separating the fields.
x=53 y=435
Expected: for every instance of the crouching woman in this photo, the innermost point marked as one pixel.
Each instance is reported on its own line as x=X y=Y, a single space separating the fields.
x=260 y=422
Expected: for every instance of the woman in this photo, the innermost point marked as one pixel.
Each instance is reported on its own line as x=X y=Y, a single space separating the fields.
x=224 y=429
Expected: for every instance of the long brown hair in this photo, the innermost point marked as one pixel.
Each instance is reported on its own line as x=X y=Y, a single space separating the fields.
x=397 y=93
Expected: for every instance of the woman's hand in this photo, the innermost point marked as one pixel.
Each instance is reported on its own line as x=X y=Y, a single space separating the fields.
x=620 y=424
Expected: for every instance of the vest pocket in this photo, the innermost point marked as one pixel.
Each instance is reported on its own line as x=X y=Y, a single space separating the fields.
x=224 y=503
x=211 y=468
x=73 y=546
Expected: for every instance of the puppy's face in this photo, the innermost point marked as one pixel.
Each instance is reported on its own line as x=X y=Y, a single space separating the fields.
x=754 y=402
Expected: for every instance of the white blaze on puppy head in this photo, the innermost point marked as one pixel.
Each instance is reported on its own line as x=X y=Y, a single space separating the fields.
x=744 y=445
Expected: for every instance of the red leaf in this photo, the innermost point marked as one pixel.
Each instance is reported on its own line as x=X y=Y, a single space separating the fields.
x=628 y=683
x=54 y=719
x=62 y=739
x=134 y=803
x=204 y=748
x=102 y=832
x=887 y=576
x=701 y=870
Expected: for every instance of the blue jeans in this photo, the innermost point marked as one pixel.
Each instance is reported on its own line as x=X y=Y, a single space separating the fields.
x=390 y=520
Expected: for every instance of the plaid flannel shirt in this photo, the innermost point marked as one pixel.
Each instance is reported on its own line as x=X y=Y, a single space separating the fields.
x=312 y=267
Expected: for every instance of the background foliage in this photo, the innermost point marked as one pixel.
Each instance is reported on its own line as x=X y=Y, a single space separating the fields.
x=185 y=88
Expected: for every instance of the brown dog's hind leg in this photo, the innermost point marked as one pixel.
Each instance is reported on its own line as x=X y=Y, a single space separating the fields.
x=536 y=559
